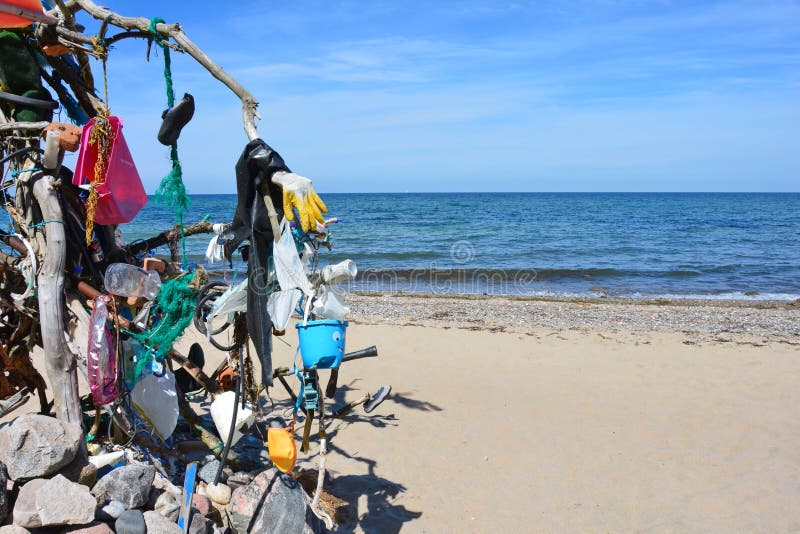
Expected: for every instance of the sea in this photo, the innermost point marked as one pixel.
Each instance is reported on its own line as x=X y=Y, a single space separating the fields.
x=628 y=245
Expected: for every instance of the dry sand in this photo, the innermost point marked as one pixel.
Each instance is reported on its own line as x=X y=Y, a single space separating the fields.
x=567 y=432
x=559 y=430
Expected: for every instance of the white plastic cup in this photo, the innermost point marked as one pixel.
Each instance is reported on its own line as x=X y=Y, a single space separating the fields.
x=345 y=270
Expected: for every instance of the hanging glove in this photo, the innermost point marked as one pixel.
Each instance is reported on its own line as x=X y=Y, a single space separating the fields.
x=299 y=193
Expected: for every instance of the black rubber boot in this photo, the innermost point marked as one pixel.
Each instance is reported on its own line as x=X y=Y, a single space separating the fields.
x=175 y=119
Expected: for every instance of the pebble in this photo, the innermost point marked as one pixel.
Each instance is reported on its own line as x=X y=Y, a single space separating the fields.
x=158 y=524
x=110 y=511
x=14 y=529
x=209 y=471
x=167 y=505
x=219 y=493
x=775 y=320
x=202 y=504
x=130 y=522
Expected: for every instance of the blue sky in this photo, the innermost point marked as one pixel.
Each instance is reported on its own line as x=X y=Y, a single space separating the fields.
x=596 y=95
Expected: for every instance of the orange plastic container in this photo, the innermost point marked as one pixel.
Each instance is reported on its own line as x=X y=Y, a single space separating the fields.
x=120 y=192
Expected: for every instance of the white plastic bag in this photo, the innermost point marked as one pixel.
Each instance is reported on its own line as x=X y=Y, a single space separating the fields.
x=288 y=267
x=292 y=276
x=232 y=301
x=156 y=399
x=329 y=304
x=280 y=306
x=215 y=252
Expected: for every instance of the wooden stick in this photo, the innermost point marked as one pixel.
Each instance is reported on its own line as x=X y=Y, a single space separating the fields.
x=59 y=361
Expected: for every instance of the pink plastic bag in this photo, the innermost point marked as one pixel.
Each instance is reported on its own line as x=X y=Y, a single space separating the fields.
x=101 y=355
x=120 y=192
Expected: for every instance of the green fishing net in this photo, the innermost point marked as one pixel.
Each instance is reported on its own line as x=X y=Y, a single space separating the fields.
x=175 y=304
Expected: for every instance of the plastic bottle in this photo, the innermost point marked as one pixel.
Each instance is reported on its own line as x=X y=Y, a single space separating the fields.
x=131 y=281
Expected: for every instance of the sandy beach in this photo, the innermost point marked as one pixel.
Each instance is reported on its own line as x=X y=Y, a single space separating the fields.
x=630 y=423
x=611 y=417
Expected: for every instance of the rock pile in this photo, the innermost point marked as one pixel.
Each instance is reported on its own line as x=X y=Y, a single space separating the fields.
x=47 y=482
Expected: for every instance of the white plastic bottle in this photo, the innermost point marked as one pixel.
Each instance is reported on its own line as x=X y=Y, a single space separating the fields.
x=131 y=281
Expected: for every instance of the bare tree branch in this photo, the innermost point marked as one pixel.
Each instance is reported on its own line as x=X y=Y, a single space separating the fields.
x=174 y=31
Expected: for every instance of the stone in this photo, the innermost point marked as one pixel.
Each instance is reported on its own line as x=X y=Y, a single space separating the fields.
x=3 y=493
x=209 y=471
x=25 y=514
x=92 y=528
x=35 y=446
x=61 y=502
x=272 y=502
x=238 y=480
x=202 y=503
x=158 y=524
x=219 y=493
x=130 y=522
x=14 y=529
x=167 y=505
x=200 y=525
x=129 y=484
x=152 y=498
x=110 y=511
x=80 y=470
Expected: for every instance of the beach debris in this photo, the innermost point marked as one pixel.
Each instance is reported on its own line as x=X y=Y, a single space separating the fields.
x=36 y=445
x=273 y=501
x=96 y=304
x=189 y=483
x=129 y=484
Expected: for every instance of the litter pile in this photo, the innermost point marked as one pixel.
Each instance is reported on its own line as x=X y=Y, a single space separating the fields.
x=132 y=454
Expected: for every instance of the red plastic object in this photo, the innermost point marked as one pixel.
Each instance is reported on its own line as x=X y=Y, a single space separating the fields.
x=120 y=194
x=7 y=20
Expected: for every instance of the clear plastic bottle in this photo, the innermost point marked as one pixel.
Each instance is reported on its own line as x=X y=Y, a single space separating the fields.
x=131 y=281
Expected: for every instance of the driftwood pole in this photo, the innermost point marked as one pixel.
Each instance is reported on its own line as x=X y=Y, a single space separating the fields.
x=59 y=360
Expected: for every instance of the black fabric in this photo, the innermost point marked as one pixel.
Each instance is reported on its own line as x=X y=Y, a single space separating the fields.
x=175 y=119
x=256 y=165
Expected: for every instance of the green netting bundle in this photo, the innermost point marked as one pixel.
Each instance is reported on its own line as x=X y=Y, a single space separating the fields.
x=176 y=304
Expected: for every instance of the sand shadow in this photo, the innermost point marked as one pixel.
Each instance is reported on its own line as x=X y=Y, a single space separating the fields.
x=381 y=513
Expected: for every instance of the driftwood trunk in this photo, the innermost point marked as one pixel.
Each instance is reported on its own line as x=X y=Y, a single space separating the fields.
x=59 y=360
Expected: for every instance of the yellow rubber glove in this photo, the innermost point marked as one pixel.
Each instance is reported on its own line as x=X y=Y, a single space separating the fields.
x=299 y=194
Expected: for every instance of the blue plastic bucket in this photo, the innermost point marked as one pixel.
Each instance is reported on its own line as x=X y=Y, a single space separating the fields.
x=321 y=343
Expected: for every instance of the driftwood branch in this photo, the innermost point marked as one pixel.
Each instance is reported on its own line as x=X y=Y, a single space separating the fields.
x=169 y=236
x=59 y=360
x=21 y=126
